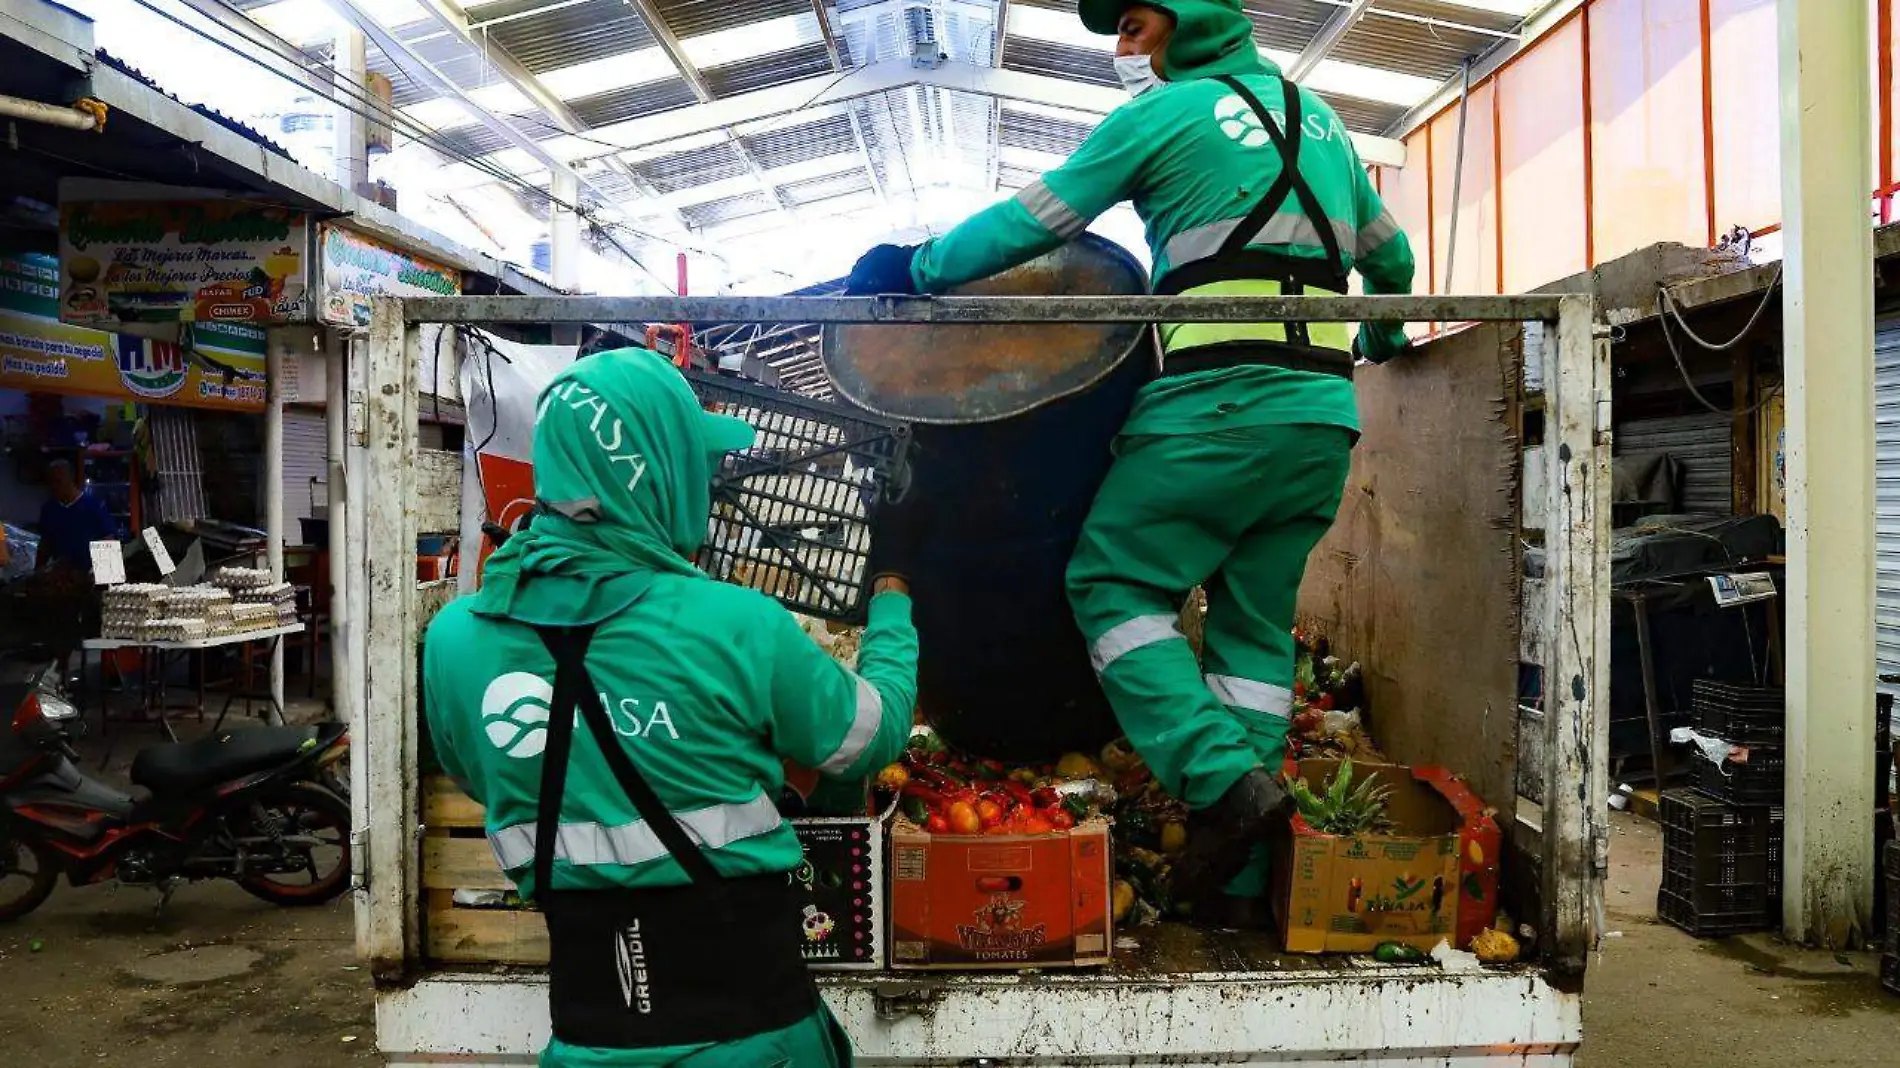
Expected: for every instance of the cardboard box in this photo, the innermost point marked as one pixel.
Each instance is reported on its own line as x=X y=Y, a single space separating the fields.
x=1480 y=845
x=843 y=876
x=1349 y=895
x=1000 y=901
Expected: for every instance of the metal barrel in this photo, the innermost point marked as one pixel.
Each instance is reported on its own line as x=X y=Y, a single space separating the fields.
x=1012 y=428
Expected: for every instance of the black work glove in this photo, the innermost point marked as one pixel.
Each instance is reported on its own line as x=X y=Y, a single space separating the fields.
x=896 y=537
x=884 y=269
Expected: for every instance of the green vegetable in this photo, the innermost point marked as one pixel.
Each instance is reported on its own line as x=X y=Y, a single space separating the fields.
x=1398 y=953
x=1343 y=810
x=916 y=810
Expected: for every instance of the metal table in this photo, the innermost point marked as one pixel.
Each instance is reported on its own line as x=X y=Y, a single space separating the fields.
x=152 y=685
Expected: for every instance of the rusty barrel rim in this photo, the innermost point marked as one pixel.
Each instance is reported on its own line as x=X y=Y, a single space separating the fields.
x=1140 y=336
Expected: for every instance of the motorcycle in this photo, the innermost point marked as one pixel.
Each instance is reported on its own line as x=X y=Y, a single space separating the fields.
x=247 y=805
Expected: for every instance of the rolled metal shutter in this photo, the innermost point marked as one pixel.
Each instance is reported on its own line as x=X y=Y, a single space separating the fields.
x=1700 y=443
x=306 y=468
x=1887 y=493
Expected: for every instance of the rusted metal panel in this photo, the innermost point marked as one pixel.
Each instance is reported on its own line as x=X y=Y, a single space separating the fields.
x=975 y=374
x=1036 y=309
x=1418 y=577
x=1375 y=1016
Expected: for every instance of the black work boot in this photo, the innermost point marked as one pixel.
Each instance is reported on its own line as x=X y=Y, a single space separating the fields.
x=1220 y=838
x=1233 y=913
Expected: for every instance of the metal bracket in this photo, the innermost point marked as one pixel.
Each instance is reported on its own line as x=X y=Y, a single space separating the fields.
x=358 y=419
x=895 y=1000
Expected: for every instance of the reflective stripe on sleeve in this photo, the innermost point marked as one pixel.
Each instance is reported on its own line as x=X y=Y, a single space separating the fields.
x=1262 y=697
x=1373 y=235
x=1049 y=210
x=864 y=724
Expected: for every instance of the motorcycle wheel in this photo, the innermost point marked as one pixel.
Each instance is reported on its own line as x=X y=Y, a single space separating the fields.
x=27 y=874
x=307 y=809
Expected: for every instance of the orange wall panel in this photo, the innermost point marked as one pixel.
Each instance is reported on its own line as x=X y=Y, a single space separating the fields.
x=1403 y=189
x=1540 y=148
x=1646 y=124
x=1475 y=268
x=1742 y=79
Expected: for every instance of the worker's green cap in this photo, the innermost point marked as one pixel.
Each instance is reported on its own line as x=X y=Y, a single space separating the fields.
x=1103 y=16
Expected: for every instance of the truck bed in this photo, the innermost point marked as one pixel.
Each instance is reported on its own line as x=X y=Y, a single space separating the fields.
x=1176 y=995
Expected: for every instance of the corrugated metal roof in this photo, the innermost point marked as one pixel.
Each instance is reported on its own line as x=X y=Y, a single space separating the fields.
x=763 y=72
x=619 y=105
x=1288 y=24
x=1040 y=133
x=690 y=18
x=795 y=144
x=814 y=190
x=715 y=212
x=914 y=138
x=1364 y=115
x=570 y=35
x=683 y=170
x=1058 y=60
x=1427 y=51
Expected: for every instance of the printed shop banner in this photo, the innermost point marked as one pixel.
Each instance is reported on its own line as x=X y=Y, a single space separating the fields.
x=356 y=268
x=182 y=261
x=220 y=366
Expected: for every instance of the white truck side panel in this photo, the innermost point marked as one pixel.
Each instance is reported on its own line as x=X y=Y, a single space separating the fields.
x=1383 y=1017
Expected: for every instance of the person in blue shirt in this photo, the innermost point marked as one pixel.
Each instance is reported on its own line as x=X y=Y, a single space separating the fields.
x=71 y=519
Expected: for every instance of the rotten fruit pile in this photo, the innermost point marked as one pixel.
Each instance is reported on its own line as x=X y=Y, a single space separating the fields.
x=945 y=793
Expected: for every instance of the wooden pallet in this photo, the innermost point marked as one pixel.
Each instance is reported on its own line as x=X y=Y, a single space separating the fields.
x=455 y=856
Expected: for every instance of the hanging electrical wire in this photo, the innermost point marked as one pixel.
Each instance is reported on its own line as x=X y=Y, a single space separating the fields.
x=1670 y=310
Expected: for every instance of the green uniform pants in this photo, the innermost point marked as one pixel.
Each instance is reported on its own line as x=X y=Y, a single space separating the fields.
x=1237 y=512
x=814 y=1042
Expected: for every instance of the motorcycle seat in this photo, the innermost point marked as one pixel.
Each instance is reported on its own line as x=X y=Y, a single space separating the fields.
x=195 y=767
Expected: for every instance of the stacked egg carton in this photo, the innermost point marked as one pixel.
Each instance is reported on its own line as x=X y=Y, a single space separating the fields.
x=275 y=604
x=125 y=609
x=205 y=603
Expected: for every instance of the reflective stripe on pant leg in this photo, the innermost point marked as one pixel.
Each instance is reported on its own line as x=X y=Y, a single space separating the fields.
x=1125 y=638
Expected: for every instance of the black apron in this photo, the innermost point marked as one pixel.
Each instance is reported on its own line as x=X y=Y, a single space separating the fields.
x=713 y=961
x=1235 y=260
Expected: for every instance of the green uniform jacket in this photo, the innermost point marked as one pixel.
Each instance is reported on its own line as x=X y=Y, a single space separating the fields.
x=709 y=686
x=1194 y=161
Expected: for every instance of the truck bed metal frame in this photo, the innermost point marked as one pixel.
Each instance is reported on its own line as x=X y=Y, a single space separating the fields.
x=1576 y=383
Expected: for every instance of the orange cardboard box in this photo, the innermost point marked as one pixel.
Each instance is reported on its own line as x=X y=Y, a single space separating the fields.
x=1349 y=895
x=1000 y=901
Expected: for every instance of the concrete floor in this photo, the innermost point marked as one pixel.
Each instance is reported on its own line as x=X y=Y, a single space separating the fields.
x=1658 y=997
x=94 y=978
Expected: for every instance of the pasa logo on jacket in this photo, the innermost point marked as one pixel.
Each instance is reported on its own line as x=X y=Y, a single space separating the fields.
x=515 y=714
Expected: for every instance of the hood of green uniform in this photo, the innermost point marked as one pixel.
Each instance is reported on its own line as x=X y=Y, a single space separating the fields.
x=623 y=464
x=1211 y=37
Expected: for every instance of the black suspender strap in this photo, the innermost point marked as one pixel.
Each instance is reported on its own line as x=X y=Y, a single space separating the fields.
x=1290 y=180
x=574 y=692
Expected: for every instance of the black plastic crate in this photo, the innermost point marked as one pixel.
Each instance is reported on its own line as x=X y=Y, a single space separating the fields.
x=792 y=516
x=1740 y=713
x=1758 y=781
x=1721 y=865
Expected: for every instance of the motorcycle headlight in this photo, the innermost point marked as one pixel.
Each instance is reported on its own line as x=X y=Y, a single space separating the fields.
x=57 y=709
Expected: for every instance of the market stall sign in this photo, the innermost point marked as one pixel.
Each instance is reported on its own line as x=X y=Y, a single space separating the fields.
x=218 y=365
x=197 y=261
x=356 y=268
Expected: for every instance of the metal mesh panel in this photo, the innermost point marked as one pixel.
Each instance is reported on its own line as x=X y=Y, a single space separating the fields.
x=792 y=515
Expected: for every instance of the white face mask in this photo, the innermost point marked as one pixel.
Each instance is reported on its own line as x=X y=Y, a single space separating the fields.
x=1137 y=74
